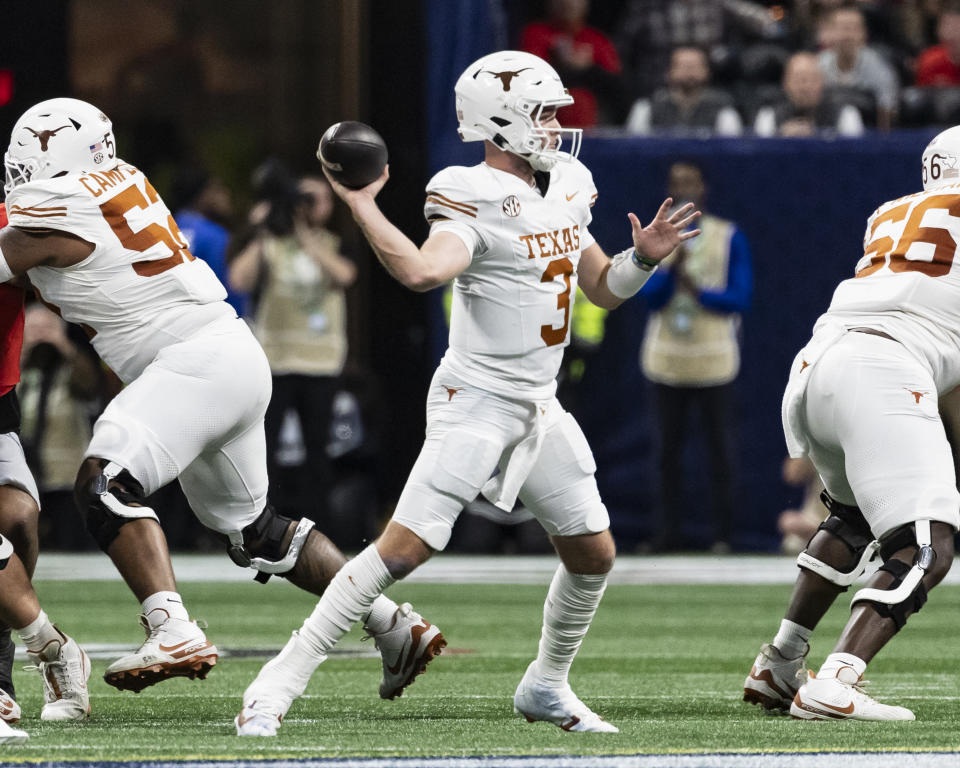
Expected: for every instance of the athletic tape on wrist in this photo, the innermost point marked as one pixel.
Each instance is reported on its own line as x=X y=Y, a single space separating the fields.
x=626 y=276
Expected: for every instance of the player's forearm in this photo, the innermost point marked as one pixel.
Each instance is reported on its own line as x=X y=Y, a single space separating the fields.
x=398 y=253
x=599 y=294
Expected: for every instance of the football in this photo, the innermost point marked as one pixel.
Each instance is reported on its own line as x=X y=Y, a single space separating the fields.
x=353 y=153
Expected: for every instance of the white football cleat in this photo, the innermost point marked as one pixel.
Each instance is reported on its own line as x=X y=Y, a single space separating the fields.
x=65 y=669
x=405 y=649
x=774 y=679
x=9 y=709
x=280 y=681
x=175 y=648
x=842 y=698
x=536 y=700
x=258 y=719
x=10 y=735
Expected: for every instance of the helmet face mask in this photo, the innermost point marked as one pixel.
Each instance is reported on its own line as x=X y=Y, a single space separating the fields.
x=57 y=137
x=941 y=160
x=502 y=98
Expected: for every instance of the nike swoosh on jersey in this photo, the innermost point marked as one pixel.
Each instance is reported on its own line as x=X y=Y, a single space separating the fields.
x=570 y=197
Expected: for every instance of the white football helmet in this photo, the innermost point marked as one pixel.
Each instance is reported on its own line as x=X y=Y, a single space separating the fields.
x=501 y=97
x=56 y=137
x=941 y=160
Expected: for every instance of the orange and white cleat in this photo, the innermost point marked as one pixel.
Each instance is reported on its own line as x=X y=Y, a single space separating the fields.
x=405 y=649
x=9 y=709
x=774 y=679
x=842 y=698
x=65 y=669
x=174 y=648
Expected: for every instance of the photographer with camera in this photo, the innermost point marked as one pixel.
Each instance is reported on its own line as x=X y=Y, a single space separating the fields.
x=296 y=275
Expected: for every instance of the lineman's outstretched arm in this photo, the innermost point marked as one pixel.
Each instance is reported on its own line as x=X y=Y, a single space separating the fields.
x=441 y=258
x=608 y=283
x=22 y=249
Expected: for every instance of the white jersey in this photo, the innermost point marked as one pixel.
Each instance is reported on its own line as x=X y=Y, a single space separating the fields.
x=140 y=289
x=510 y=318
x=908 y=282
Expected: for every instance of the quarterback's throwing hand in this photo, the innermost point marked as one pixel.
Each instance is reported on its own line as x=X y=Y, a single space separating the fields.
x=351 y=196
x=661 y=236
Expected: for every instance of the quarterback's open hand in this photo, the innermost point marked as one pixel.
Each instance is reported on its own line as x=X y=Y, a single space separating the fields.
x=353 y=196
x=661 y=236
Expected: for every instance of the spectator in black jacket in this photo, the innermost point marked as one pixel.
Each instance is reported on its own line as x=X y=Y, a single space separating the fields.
x=688 y=102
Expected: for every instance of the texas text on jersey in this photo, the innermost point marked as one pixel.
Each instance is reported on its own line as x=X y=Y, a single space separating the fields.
x=510 y=318
x=140 y=289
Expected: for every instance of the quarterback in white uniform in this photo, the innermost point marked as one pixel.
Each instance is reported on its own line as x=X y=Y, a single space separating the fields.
x=513 y=233
x=862 y=402
x=102 y=249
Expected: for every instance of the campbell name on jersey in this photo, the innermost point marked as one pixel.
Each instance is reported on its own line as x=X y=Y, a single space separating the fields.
x=140 y=289
x=907 y=283
x=511 y=309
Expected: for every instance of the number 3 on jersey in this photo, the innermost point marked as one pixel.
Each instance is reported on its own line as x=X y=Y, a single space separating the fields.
x=558 y=268
x=114 y=211
x=944 y=244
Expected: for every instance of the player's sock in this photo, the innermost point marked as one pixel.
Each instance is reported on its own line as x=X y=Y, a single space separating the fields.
x=161 y=606
x=350 y=595
x=381 y=615
x=39 y=633
x=792 y=640
x=835 y=661
x=569 y=608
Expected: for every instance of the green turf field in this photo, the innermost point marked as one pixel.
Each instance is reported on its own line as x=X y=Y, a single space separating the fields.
x=665 y=664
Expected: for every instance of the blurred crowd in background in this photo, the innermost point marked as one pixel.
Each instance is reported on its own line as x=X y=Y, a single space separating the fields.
x=736 y=67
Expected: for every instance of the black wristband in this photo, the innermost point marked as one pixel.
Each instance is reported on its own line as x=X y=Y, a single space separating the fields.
x=643 y=262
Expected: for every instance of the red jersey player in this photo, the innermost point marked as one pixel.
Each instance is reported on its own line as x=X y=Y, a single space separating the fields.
x=63 y=665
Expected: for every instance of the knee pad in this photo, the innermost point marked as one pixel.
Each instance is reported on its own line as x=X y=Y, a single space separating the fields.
x=109 y=501
x=847 y=524
x=260 y=544
x=907 y=593
x=6 y=551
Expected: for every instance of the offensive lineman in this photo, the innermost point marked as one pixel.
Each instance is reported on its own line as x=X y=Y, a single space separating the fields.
x=862 y=403
x=61 y=662
x=513 y=232
x=99 y=245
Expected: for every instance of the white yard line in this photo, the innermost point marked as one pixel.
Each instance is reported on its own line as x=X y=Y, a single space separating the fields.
x=472 y=569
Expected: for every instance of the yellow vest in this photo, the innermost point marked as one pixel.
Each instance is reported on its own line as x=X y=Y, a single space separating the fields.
x=301 y=318
x=684 y=343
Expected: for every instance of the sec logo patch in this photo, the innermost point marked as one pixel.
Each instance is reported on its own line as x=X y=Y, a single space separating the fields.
x=511 y=206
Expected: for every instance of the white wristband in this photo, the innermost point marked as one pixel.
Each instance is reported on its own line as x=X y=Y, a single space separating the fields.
x=5 y=272
x=625 y=276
